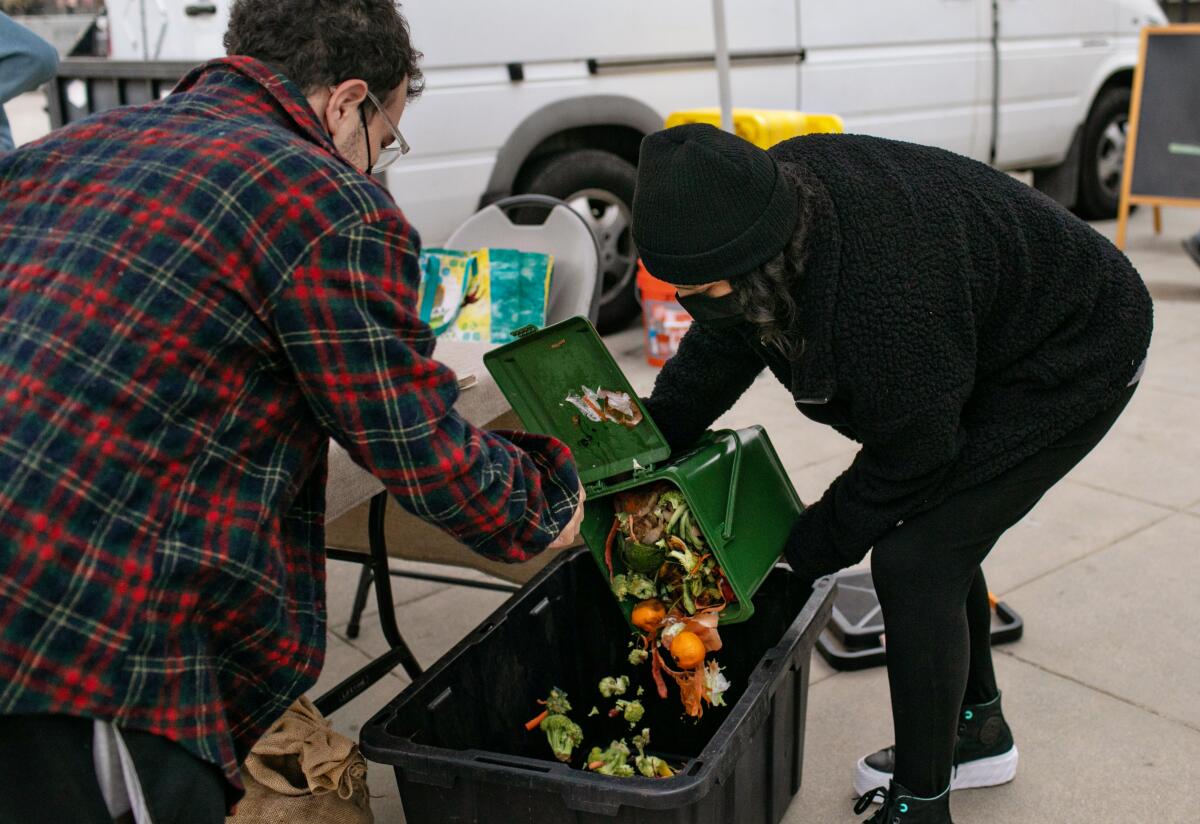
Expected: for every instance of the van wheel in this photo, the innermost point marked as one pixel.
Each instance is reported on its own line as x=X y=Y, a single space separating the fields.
x=1103 y=157
x=599 y=186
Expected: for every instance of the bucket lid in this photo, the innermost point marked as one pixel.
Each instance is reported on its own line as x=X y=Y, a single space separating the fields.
x=554 y=378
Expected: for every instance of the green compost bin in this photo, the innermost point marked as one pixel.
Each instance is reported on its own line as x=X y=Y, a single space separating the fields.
x=733 y=481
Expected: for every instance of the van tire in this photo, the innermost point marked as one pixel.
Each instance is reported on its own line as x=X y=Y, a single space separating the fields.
x=609 y=180
x=1099 y=194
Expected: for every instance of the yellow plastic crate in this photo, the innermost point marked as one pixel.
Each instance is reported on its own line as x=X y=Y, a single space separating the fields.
x=763 y=127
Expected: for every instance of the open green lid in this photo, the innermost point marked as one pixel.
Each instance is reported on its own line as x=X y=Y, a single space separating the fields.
x=558 y=379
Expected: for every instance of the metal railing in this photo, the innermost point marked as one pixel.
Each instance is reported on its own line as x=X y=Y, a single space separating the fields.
x=86 y=85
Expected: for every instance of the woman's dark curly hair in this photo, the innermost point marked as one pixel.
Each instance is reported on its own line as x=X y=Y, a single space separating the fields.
x=319 y=43
x=765 y=293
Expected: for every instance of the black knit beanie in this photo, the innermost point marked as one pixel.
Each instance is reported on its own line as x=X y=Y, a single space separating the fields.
x=708 y=205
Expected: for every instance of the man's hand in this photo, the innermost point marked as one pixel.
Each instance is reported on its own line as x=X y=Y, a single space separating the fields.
x=570 y=532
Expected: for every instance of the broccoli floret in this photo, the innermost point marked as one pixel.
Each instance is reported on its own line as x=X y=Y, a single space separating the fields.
x=652 y=766
x=631 y=710
x=638 y=656
x=620 y=587
x=641 y=587
x=614 y=686
x=563 y=734
x=673 y=502
x=649 y=765
x=557 y=702
x=632 y=585
x=684 y=556
x=612 y=761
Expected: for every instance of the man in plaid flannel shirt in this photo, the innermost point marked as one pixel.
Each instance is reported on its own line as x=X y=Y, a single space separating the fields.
x=195 y=295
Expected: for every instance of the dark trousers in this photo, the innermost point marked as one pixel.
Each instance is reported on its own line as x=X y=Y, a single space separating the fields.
x=935 y=606
x=49 y=776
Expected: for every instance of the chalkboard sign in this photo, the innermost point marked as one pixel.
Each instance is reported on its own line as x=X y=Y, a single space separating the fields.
x=1162 y=156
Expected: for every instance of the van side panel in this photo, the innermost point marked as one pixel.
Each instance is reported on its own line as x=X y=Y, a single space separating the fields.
x=469 y=117
x=482 y=32
x=908 y=70
x=149 y=30
x=1050 y=53
x=620 y=62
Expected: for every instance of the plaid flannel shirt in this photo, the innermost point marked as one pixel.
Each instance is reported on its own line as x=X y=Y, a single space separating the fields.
x=195 y=295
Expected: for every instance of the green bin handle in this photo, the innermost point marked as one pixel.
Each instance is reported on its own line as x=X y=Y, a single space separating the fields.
x=727 y=533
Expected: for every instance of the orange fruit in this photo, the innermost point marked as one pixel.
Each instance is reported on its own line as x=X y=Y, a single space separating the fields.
x=648 y=614
x=688 y=650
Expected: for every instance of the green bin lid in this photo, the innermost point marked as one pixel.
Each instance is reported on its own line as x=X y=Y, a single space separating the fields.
x=538 y=371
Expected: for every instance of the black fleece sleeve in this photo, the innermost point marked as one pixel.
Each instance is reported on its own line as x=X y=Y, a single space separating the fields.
x=711 y=370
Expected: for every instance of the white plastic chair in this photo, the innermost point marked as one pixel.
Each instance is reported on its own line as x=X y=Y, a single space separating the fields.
x=576 y=283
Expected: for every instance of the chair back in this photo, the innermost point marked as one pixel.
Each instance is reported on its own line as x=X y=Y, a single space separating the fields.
x=564 y=234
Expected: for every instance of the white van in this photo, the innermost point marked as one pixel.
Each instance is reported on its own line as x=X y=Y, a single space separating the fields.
x=554 y=96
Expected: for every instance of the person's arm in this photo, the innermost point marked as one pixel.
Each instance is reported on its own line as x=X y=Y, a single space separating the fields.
x=26 y=60
x=700 y=383
x=347 y=322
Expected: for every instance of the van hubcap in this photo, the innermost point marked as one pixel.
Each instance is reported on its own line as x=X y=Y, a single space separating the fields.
x=610 y=221
x=1110 y=155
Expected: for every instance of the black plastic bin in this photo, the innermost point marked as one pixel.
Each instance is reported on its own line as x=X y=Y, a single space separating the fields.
x=457 y=741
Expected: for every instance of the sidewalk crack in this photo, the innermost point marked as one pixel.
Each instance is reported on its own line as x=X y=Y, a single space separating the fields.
x=1129 y=702
x=1122 y=537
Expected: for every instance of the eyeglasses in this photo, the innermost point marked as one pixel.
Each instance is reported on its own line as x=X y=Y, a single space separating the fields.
x=388 y=155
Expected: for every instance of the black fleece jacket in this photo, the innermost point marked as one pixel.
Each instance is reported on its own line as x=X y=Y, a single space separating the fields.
x=952 y=320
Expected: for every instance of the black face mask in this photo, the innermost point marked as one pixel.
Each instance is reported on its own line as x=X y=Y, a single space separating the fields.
x=715 y=313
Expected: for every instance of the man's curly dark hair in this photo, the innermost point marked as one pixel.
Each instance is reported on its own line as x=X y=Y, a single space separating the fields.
x=318 y=43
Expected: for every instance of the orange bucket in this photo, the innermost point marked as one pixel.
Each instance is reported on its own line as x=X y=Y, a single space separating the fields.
x=663 y=319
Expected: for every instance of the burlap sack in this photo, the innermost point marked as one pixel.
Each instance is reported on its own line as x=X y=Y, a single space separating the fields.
x=303 y=771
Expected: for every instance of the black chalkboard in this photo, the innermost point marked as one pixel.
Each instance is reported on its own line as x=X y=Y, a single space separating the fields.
x=1165 y=122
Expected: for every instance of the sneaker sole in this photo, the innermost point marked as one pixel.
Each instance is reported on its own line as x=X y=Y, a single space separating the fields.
x=983 y=772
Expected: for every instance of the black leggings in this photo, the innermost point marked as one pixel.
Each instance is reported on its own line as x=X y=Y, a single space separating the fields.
x=935 y=603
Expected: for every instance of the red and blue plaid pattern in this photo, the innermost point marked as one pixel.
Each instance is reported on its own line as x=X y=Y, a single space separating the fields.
x=194 y=296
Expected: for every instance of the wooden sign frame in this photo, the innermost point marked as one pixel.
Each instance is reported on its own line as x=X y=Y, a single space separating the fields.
x=1128 y=199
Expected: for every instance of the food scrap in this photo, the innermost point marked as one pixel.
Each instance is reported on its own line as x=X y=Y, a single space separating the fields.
x=650 y=766
x=600 y=405
x=611 y=761
x=563 y=734
x=631 y=711
x=614 y=686
x=657 y=556
x=615 y=759
x=666 y=565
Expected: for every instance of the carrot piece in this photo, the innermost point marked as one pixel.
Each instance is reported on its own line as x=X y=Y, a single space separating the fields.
x=656 y=668
x=534 y=723
x=608 y=547
x=691 y=692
